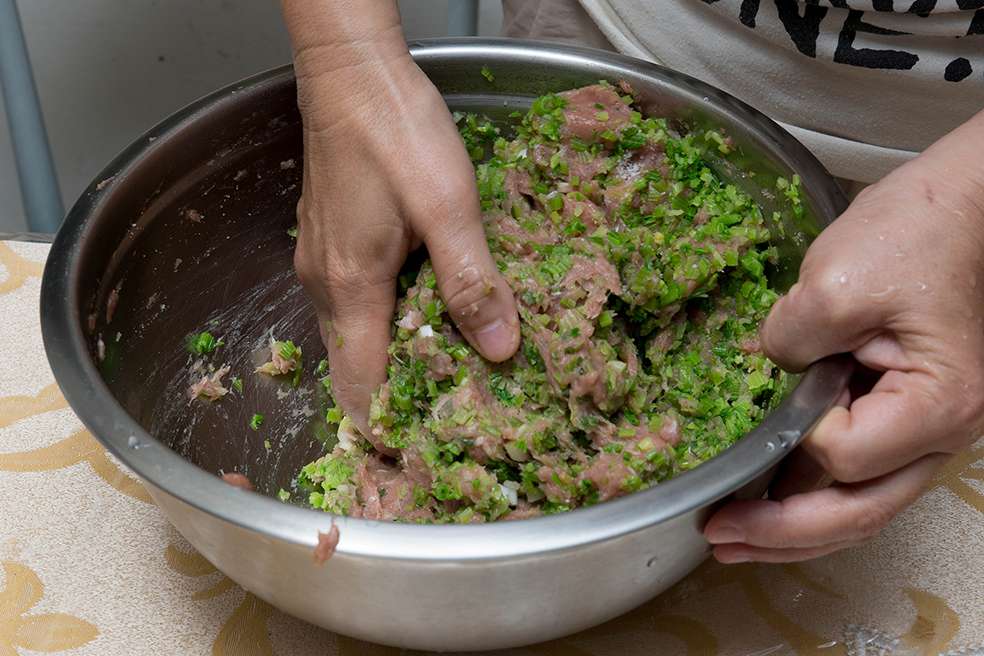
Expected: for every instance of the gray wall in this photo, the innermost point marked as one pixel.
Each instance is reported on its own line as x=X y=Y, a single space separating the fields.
x=107 y=70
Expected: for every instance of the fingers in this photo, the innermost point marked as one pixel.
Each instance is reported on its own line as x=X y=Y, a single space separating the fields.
x=813 y=523
x=478 y=298
x=358 y=335
x=351 y=388
x=799 y=472
x=355 y=309
x=820 y=316
x=743 y=553
x=357 y=338
x=898 y=421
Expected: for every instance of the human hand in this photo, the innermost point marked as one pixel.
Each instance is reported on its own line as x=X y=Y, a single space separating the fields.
x=385 y=171
x=897 y=280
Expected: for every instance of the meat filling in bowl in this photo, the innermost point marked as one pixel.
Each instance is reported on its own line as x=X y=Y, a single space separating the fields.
x=641 y=279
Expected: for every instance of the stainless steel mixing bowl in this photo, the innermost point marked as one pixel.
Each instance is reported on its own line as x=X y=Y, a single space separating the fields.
x=187 y=227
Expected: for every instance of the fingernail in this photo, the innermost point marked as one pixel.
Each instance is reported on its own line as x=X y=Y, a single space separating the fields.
x=495 y=340
x=725 y=534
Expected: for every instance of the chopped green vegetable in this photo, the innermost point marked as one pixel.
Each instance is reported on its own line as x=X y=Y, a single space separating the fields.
x=288 y=350
x=292 y=232
x=204 y=343
x=641 y=277
x=487 y=74
x=285 y=358
x=283 y=495
x=256 y=422
x=479 y=136
x=237 y=384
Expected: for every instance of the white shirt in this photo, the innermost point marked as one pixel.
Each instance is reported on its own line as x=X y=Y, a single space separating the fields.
x=865 y=84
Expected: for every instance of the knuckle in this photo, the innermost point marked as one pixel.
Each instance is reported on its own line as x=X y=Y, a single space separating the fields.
x=969 y=407
x=459 y=187
x=785 y=535
x=953 y=414
x=449 y=193
x=443 y=214
x=770 y=333
x=300 y=210
x=828 y=294
x=866 y=195
x=838 y=458
x=306 y=267
x=344 y=278
x=331 y=277
x=872 y=516
x=468 y=292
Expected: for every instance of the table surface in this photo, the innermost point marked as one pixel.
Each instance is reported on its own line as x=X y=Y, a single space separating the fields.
x=91 y=567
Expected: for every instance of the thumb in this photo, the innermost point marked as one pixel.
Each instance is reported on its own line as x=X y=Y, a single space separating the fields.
x=886 y=429
x=478 y=298
x=820 y=316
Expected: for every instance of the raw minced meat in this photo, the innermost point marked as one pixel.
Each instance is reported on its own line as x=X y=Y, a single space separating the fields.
x=641 y=281
x=285 y=358
x=327 y=543
x=209 y=386
x=238 y=480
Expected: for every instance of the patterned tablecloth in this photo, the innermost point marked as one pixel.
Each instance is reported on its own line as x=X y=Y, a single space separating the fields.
x=90 y=566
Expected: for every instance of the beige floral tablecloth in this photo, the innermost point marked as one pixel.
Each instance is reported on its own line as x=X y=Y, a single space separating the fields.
x=91 y=567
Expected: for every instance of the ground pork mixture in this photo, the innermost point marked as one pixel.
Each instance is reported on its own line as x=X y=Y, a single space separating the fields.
x=641 y=281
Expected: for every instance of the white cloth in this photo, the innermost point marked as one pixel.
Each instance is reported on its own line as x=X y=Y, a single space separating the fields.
x=865 y=84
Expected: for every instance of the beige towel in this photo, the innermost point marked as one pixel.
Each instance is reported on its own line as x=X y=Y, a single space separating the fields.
x=91 y=567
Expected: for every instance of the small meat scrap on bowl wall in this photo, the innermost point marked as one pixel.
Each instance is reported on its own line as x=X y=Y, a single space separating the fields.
x=238 y=480
x=327 y=543
x=210 y=386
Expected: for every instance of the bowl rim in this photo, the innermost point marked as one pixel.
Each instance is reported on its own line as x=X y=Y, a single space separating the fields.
x=165 y=470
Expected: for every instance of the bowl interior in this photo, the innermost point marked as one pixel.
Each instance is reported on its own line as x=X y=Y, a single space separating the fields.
x=196 y=237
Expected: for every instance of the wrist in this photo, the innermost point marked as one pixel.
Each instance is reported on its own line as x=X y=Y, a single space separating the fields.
x=341 y=47
x=335 y=61
x=352 y=97
x=956 y=162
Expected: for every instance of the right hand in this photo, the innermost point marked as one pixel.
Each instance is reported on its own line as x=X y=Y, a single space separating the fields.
x=384 y=172
x=894 y=281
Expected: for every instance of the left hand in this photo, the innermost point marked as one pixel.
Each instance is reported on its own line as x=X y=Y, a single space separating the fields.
x=898 y=281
